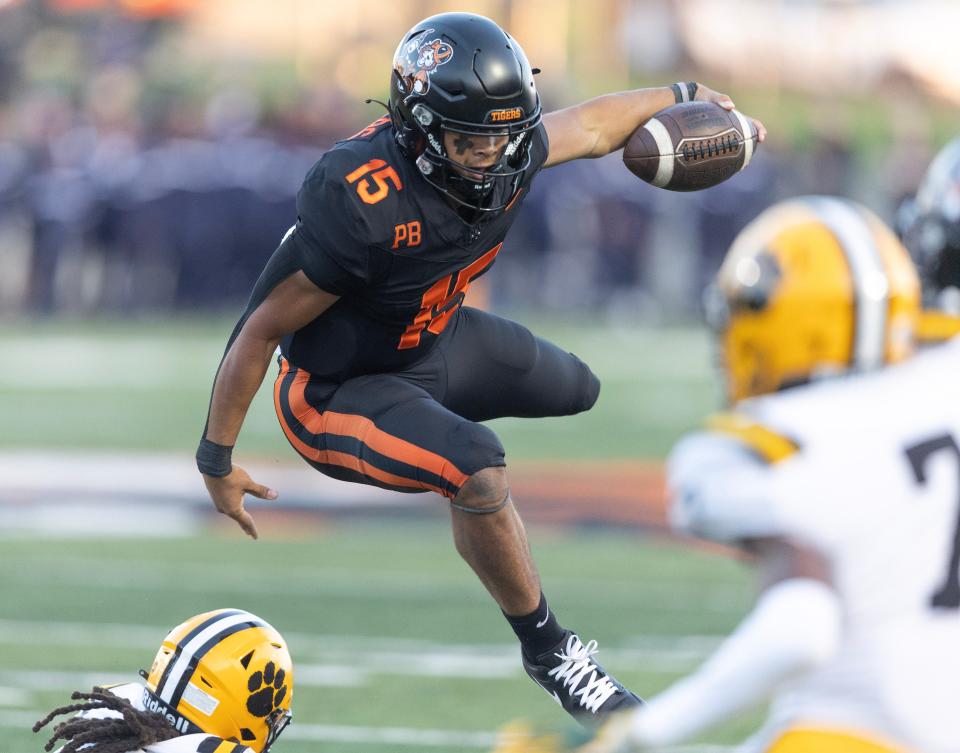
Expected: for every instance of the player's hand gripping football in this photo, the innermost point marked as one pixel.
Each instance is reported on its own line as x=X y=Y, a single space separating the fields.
x=227 y=495
x=706 y=94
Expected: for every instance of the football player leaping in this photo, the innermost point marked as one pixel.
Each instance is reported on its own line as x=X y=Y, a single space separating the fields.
x=838 y=470
x=221 y=682
x=384 y=376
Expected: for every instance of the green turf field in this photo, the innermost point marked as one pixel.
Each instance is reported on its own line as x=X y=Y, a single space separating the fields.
x=145 y=385
x=397 y=646
x=393 y=637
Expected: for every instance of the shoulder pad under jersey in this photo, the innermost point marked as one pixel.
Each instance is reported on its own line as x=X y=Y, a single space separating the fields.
x=334 y=232
x=131 y=691
x=365 y=181
x=937 y=326
x=767 y=444
x=720 y=489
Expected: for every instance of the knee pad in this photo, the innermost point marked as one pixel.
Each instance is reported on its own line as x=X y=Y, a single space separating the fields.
x=490 y=495
x=486 y=510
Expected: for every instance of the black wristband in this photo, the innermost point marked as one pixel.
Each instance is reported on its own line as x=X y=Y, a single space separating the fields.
x=214 y=459
x=684 y=91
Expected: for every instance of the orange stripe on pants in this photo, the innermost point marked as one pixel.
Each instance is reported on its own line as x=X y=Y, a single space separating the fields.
x=364 y=430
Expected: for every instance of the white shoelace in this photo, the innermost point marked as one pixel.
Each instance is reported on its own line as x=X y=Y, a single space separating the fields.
x=576 y=663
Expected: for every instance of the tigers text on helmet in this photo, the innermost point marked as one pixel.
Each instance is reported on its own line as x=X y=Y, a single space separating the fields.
x=460 y=74
x=227 y=673
x=813 y=286
x=930 y=227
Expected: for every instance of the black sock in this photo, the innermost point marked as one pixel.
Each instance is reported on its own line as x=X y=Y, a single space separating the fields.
x=538 y=631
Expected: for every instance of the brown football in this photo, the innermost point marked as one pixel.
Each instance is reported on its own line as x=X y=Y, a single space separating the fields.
x=691 y=145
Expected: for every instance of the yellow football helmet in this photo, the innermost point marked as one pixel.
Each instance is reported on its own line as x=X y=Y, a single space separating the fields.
x=813 y=286
x=227 y=673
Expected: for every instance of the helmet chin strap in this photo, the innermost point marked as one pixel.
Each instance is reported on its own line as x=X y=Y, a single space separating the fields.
x=469 y=189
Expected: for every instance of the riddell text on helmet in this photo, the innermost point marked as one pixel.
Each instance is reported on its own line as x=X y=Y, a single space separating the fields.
x=154 y=706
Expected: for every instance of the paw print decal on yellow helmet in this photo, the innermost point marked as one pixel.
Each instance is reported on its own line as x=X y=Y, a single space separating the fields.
x=267 y=690
x=229 y=673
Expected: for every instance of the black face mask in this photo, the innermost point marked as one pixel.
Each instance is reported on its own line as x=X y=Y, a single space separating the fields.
x=477 y=198
x=469 y=190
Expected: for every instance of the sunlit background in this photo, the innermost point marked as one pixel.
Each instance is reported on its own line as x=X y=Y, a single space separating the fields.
x=150 y=154
x=150 y=151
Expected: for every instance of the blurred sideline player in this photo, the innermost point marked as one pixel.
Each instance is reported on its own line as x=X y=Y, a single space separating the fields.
x=385 y=378
x=929 y=225
x=838 y=470
x=221 y=683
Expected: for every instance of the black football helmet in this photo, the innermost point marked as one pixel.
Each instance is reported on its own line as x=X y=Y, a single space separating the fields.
x=461 y=73
x=929 y=225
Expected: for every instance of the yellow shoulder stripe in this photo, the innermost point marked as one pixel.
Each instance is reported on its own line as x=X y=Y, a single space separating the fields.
x=769 y=445
x=936 y=326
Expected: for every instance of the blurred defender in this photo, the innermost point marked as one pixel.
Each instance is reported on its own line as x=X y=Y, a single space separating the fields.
x=221 y=682
x=929 y=225
x=838 y=469
x=384 y=375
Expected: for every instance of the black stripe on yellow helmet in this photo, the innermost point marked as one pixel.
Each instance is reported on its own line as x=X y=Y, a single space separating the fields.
x=227 y=673
x=190 y=630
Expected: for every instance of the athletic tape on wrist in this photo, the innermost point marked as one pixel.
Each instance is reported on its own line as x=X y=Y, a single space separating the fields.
x=214 y=459
x=684 y=91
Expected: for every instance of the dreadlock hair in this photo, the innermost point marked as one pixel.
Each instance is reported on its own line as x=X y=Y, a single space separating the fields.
x=112 y=735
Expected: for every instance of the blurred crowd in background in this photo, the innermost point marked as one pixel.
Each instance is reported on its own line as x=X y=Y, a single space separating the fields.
x=151 y=150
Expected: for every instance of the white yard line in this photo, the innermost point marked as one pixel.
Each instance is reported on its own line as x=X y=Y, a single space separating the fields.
x=19 y=719
x=14 y=696
x=335 y=733
x=349 y=660
x=173 y=477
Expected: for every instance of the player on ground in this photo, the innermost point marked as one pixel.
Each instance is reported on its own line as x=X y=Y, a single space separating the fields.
x=221 y=682
x=929 y=225
x=837 y=469
x=384 y=376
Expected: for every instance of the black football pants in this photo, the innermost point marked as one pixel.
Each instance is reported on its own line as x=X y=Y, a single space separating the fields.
x=417 y=429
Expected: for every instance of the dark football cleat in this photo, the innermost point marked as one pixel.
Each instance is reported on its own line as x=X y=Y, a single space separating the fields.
x=573 y=678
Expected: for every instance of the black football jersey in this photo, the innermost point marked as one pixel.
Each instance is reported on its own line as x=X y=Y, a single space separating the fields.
x=373 y=231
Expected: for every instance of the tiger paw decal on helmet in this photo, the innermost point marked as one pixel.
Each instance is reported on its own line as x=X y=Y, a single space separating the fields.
x=267 y=690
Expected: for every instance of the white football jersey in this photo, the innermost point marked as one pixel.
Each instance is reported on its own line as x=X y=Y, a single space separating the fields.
x=866 y=469
x=192 y=743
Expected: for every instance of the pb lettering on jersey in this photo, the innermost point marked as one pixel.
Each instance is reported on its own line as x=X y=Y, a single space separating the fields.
x=873 y=482
x=371 y=230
